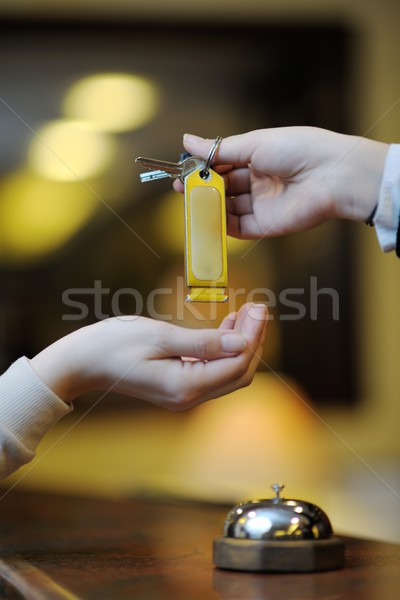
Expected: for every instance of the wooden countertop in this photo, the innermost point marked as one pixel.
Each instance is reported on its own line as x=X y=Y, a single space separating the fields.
x=54 y=547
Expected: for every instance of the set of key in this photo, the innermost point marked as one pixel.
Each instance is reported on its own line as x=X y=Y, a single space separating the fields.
x=205 y=222
x=161 y=169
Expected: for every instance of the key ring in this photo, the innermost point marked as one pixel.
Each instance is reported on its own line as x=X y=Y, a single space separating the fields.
x=206 y=171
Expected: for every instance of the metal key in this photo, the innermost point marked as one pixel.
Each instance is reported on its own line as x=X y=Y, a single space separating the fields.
x=160 y=169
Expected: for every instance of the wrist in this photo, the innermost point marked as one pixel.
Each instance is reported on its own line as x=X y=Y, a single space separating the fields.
x=358 y=179
x=62 y=366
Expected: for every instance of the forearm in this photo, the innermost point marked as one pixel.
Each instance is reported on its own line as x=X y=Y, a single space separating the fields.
x=28 y=409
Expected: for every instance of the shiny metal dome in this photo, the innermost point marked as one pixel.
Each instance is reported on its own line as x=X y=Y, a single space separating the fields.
x=277 y=519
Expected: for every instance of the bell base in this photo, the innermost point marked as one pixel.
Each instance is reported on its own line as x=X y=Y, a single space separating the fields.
x=285 y=556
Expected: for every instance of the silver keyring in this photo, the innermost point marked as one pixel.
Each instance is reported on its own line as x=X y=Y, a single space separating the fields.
x=206 y=170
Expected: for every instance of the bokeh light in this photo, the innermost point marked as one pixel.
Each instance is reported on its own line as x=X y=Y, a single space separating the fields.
x=66 y=150
x=38 y=216
x=113 y=102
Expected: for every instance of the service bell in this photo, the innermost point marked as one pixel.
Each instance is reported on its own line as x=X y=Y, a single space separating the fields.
x=278 y=534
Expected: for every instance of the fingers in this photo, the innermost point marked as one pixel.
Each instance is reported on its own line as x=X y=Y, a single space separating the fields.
x=257 y=313
x=205 y=344
x=251 y=321
x=229 y=321
x=240 y=205
x=178 y=186
x=237 y=181
x=243 y=227
x=235 y=150
x=200 y=381
x=254 y=326
x=280 y=151
x=233 y=227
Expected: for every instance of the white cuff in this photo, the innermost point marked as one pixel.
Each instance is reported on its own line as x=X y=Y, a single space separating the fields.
x=387 y=214
x=28 y=408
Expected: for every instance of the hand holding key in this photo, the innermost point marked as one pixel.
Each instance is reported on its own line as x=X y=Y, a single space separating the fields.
x=293 y=178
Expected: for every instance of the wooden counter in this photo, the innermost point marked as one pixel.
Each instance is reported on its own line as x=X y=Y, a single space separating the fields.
x=54 y=547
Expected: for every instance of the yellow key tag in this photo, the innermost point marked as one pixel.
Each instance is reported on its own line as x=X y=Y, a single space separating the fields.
x=205 y=237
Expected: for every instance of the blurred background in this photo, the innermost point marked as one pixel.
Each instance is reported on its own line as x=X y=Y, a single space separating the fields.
x=87 y=86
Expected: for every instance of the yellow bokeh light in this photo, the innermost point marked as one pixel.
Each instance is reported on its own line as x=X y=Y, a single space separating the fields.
x=113 y=102
x=70 y=151
x=38 y=216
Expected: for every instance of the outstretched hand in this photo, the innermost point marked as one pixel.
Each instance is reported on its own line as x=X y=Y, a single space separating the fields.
x=167 y=365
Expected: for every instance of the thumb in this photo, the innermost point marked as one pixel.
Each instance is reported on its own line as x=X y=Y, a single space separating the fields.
x=205 y=344
x=235 y=150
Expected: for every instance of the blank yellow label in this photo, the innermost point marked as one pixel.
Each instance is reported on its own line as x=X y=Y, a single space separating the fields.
x=206 y=264
x=206 y=233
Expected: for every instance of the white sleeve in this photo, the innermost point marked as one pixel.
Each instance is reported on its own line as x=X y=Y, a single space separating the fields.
x=386 y=219
x=28 y=409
